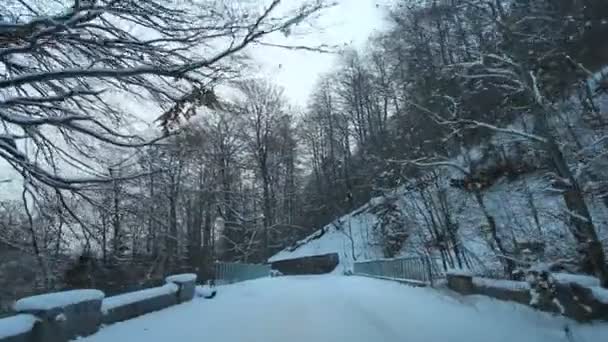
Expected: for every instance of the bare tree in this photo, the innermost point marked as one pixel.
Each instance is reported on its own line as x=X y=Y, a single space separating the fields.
x=62 y=69
x=263 y=107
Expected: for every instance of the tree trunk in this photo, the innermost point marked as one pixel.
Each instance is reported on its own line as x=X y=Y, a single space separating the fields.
x=267 y=213
x=171 y=240
x=592 y=260
x=116 y=224
x=504 y=258
x=151 y=245
x=104 y=238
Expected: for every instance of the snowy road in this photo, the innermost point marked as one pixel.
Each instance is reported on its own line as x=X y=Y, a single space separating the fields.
x=354 y=309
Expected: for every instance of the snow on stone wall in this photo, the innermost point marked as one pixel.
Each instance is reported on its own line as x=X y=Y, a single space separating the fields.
x=55 y=300
x=16 y=325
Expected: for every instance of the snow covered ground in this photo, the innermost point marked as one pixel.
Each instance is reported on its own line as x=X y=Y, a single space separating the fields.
x=354 y=309
x=351 y=234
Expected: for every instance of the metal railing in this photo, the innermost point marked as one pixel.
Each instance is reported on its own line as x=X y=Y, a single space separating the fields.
x=419 y=269
x=227 y=273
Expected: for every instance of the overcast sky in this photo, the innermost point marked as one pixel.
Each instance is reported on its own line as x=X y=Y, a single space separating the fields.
x=350 y=23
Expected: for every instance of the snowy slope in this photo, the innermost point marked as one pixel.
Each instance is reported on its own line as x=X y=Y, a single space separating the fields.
x=352 y=237
x=526 y=208
x=507 y=201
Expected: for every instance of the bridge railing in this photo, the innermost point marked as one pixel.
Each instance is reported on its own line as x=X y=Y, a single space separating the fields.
x=415 y=269
x=227 y=273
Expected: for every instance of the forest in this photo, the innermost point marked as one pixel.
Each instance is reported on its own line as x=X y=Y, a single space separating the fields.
x=450 y=99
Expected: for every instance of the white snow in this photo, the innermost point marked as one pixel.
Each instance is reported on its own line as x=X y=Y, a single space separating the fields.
x=600 y=294
x=583 y=280
x=132 y=297
x=57 y=300
x=352 y=309
x=504 y=284
x=351 y=236
x=16 y=325
x=204 y=291
x=181 y=278
x=459 y=272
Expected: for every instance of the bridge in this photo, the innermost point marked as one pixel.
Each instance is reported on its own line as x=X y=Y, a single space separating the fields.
x=356 y=308
x=336 y=308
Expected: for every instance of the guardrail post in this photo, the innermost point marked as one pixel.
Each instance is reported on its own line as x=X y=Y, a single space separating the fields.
x=186 y=286
x=427 y=261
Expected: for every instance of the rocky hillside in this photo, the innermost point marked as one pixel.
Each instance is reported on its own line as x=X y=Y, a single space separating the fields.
x=448 y=214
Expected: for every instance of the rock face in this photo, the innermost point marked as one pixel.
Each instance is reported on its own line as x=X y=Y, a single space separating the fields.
x=579 y=303
x=570 y=299
x=318 y=264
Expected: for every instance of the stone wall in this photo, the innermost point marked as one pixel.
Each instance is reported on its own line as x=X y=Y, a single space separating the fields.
x=575 y=301
x=318 y=264
x=121 y=308
x=17 y=328
x=64 y=316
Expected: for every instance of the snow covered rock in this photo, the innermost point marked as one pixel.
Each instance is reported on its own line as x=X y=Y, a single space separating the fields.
x=206 y=291
x=580 y=303
x=541 y=291
x=16 y=325
x=572 y=295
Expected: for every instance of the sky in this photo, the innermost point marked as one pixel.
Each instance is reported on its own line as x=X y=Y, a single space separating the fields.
x=349 y=23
